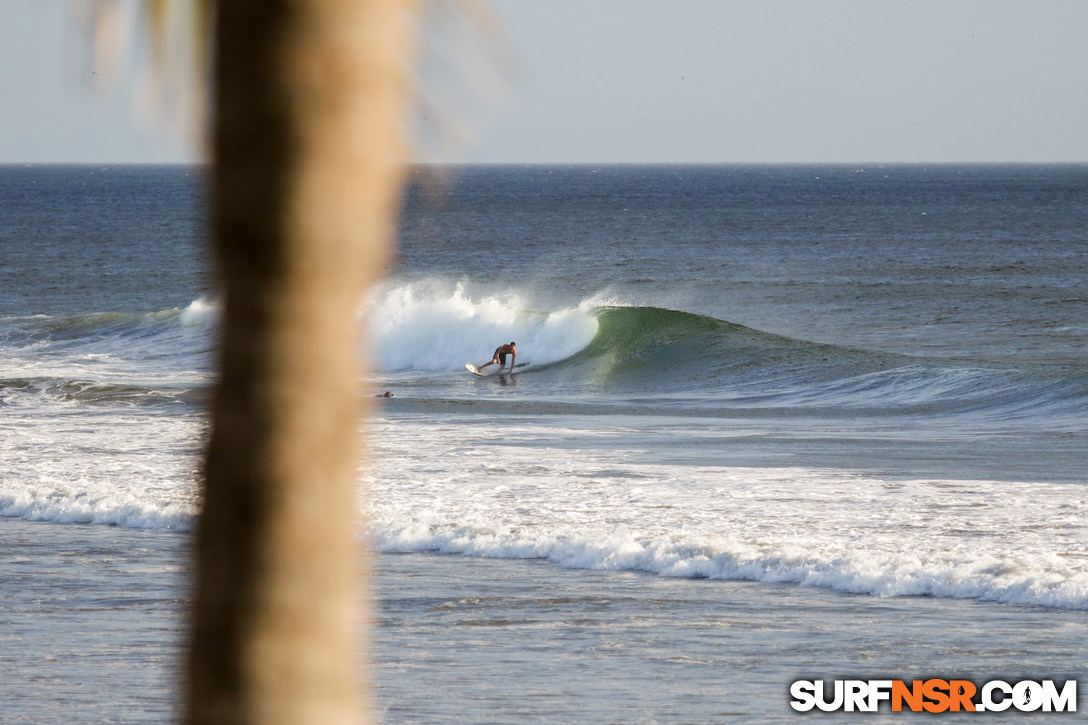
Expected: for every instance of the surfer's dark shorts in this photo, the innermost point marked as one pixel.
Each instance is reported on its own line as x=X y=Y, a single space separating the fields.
x=500 y=355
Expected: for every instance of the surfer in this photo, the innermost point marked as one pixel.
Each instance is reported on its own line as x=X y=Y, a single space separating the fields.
x=499 y=357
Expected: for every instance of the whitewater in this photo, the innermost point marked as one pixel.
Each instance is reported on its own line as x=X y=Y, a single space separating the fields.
x=772 y=421
x=423 y=327
x=560 y=462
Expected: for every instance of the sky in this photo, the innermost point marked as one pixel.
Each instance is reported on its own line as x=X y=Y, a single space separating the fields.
x=637 y=81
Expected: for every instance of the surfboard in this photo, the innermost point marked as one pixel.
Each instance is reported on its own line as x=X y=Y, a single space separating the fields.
x=475 y=371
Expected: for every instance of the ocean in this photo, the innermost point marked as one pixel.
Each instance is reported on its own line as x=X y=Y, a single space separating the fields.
x=769 y=423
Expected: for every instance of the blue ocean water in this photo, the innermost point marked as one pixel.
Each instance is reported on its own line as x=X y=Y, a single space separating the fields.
x=838 y=376
x=834 y=380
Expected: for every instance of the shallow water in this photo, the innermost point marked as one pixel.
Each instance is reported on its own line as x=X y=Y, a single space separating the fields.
x=762 y=407
x=93 y=619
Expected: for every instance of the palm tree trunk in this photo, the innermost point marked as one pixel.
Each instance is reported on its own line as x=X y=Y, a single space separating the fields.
x=309 y=105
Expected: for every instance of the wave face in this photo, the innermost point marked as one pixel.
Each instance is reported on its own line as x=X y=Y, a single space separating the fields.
x=650 y=439
x=917 y=426
x=557 y=462
x=717 y=364
x=640 y=347
x=596 y=350
x=663 y=359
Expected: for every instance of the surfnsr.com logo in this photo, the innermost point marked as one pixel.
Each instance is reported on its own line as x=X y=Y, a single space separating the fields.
x=934 y=695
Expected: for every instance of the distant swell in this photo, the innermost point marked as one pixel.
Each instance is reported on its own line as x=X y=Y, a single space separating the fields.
x=133 y=357
x=105 y=328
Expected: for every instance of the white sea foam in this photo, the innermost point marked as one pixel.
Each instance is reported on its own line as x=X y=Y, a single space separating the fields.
x=164 y=347
x=429 y=326
x=582 y=497
x=201 y=312
x=132 y=468
x=465 y=486
x=64 y=505
x=1019 y=543
x=424 y=327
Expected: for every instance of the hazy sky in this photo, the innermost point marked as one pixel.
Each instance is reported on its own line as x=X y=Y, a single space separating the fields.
x=680 y=81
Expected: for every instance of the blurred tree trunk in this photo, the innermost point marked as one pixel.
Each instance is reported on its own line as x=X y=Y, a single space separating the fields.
x=309 y=106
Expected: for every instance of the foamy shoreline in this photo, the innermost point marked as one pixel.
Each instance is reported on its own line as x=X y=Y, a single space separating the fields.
x=94 y=618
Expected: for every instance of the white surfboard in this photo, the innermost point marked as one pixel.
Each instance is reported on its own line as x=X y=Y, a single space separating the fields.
x=476 y=371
